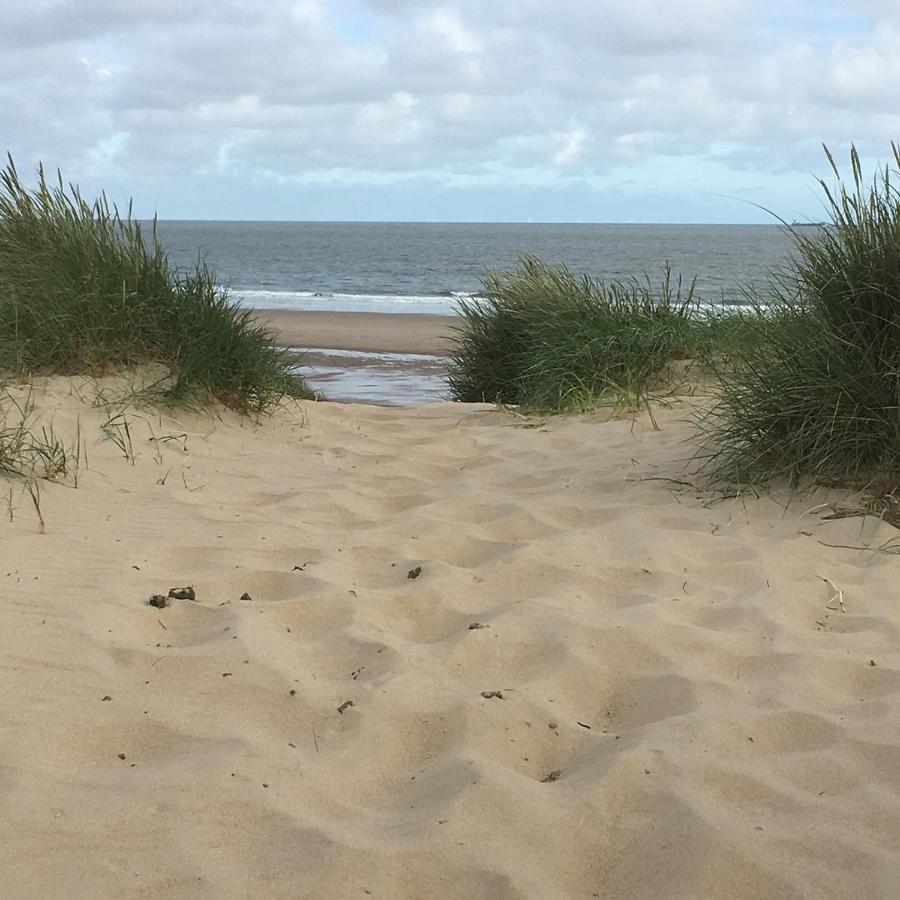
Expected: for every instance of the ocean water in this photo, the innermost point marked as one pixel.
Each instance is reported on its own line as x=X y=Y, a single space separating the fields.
x=427 y=268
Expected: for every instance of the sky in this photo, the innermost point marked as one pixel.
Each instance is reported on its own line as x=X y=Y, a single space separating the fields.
x=474 y=110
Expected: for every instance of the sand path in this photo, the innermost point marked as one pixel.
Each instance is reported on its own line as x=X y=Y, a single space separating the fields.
x=682 y=715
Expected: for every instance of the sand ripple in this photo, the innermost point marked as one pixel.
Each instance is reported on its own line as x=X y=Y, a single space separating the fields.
x=683 y=712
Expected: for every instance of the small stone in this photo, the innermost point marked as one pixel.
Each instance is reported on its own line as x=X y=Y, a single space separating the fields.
x=293 y=692
x=107 y=697
x=871 y=662
x=414 y=573
x=551 y=776
x=345 y=705
x=246 y=598
x=121 y=756
x=492 y=695
x=553 y=725
x=476 y=625
x=158 y=601
x=185 y=593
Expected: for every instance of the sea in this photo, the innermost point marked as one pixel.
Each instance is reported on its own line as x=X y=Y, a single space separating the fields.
x=428 y=267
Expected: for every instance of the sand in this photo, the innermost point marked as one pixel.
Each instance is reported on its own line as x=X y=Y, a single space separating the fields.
x=686 y=710
x=373 y=332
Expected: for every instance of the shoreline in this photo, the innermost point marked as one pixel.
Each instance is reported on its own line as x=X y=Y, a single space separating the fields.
x=361 y=331
x=382 y=379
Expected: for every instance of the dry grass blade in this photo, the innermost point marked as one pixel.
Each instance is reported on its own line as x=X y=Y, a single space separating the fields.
x=838 y=595
x=34 y=491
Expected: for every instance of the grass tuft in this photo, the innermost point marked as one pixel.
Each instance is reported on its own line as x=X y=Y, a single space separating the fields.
x=546 y=339
x=84 y=289
x=28 y=453
x=815 y=397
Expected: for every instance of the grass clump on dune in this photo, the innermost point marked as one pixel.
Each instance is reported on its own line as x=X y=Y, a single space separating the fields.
x=817 y=398
x=28 y=453
x=549 y=340
x=83 y=289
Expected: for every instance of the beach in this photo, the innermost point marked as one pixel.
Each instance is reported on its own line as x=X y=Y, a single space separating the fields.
x=445 y=651
x=393 y=359
x=450 y=451
x=361 y=331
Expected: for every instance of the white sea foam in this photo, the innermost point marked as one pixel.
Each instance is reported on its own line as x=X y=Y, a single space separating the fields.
x=431 y=304
x=443 y=305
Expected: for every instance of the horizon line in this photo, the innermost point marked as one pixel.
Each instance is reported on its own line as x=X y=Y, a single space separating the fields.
x=775 y=224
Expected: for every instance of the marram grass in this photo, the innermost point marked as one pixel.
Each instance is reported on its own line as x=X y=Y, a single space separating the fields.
x=816 y=398
x=84 y=289
x=808 y=374
x=549 y=340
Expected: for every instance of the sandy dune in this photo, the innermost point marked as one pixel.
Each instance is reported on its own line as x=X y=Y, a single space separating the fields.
x=686 y=712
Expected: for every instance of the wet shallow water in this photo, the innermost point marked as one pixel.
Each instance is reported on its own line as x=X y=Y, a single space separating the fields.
x=389 y=379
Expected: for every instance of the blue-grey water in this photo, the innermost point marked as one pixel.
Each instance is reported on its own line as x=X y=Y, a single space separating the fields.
x=421 y=267
x=427 y=268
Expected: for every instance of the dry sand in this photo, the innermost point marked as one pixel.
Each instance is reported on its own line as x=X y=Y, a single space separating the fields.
x=686 y=710
x=374 y=332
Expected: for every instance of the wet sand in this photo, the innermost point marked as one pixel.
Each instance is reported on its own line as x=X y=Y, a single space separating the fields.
x=371 y=332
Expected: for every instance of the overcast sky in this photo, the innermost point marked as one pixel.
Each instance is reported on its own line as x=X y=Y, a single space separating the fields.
x=474 y=110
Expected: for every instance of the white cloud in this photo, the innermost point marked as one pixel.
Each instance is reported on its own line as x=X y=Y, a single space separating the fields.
x=447 y=26
x=572 y=147
x=525 y=92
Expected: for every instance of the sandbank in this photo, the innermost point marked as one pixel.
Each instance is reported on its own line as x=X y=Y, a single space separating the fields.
x=372 y=332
